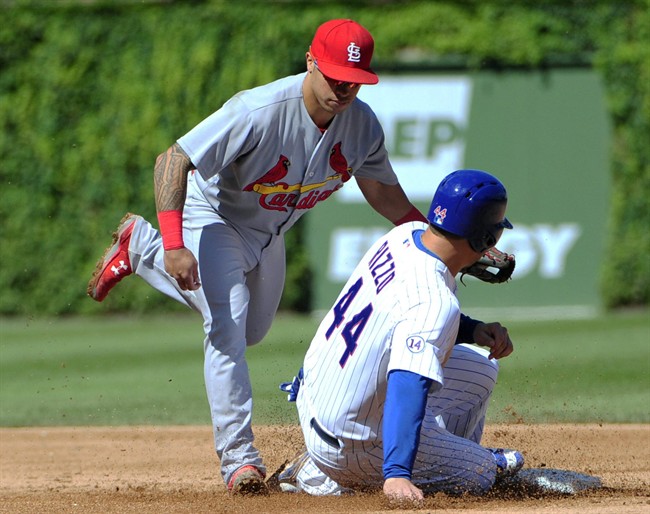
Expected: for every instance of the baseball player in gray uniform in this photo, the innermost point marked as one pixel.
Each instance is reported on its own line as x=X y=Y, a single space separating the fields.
x=387 y=397
x=227 y=191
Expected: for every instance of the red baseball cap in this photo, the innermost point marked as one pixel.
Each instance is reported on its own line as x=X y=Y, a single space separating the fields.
x=343 y=50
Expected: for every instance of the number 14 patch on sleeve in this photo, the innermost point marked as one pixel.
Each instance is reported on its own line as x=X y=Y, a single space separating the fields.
x=415 y=344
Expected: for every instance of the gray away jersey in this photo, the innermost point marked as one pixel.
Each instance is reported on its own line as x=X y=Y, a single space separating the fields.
x=262 y=161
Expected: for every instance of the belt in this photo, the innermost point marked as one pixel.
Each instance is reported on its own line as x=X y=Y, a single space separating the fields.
x=331 y=440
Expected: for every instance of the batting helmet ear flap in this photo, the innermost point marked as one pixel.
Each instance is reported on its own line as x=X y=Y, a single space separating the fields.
x=471 y=204
x=494 y=222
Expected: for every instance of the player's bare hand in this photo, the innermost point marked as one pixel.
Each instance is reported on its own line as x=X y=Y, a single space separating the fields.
x=182 y=265
x=495 y=337
x=402 y=490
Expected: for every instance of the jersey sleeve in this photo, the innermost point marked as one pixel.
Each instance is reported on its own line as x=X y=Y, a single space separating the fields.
x=421 y=343
x=220 y=139
x=377 y=165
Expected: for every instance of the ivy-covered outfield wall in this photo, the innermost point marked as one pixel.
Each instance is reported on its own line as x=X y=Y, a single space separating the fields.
x=92 y=91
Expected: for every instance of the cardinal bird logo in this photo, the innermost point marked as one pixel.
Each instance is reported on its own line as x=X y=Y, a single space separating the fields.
x=273 y=176
x=339 y=163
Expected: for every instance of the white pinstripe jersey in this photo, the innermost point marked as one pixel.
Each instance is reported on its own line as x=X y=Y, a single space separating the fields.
x=398 y=310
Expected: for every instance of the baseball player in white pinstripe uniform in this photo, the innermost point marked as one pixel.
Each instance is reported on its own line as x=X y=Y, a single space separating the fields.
x=387 y=397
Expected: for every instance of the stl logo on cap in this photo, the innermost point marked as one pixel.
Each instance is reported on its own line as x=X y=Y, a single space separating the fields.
x=354 y=52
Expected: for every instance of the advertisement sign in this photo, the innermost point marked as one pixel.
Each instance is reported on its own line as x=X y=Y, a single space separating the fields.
x=544 y=134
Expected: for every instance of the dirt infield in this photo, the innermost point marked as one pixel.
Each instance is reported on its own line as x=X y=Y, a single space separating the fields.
x=174 y=469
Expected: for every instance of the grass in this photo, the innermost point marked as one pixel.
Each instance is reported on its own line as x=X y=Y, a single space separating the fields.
x=116 y=371
x=580 y=371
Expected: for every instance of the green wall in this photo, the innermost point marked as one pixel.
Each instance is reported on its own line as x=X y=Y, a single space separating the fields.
x=544 y=134
x=91 y=91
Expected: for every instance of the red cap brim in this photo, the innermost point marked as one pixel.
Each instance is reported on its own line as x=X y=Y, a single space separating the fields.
x=347 y=73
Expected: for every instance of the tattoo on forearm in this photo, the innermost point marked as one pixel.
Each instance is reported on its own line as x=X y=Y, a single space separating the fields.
x=170 y=179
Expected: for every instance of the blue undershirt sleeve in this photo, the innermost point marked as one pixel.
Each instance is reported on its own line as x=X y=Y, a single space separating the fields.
x=466 y=329
x=406 y=401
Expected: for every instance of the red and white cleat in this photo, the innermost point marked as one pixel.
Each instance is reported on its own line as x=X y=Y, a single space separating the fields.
x=115 y=264
x=247 y=480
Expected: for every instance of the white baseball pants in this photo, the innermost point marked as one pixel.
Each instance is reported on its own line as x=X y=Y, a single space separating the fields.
x=449 y=459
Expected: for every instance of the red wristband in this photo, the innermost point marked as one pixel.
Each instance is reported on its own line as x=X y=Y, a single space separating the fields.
x=413 y=215
x=171 y=229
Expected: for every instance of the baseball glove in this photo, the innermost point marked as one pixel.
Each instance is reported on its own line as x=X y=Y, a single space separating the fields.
x=495 y=267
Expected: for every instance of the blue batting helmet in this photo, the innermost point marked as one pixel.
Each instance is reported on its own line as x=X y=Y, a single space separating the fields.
x=471 y=204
